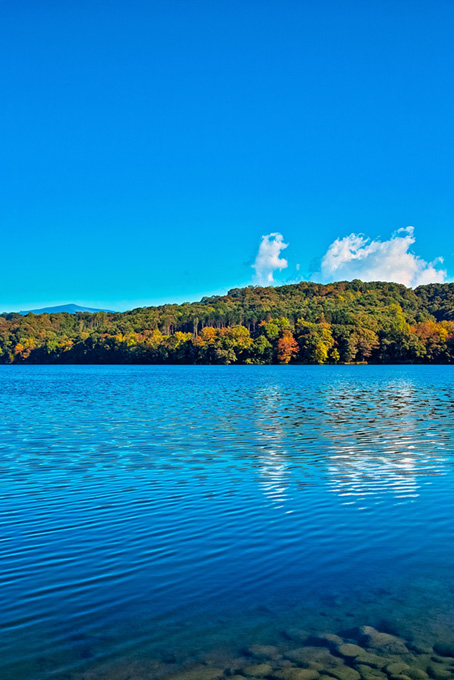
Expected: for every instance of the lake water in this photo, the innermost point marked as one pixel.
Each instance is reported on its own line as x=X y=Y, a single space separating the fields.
x=157 y=518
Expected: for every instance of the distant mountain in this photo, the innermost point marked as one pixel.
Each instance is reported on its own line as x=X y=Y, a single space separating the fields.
x=70 y=309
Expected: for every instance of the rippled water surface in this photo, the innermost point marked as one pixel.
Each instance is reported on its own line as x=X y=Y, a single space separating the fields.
x=154 y=515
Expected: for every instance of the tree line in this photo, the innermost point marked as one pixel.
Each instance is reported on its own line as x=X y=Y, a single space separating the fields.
x=345 y=322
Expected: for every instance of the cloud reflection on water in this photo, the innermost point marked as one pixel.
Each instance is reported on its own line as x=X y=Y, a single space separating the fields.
x=369 y=441
x=274 y=458
x=379 y=447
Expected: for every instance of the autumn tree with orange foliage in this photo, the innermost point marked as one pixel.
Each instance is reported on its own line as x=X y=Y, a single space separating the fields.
x=287 y=348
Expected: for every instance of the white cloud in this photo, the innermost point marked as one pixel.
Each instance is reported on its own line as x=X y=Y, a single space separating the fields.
x=358 y=257
x=268 y=258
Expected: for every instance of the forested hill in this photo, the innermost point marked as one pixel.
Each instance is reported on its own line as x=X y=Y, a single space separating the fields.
x=342 y=322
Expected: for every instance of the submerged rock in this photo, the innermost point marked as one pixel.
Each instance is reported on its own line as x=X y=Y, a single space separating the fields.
x=417 y=674
x=371 y=660
x=320 y=655
x=397 y=668
x=350 y=650
x=296 y=674
x=316 y=666
x=344 y=673
x=327 y=639
x=369 y=673
x=383 y=642
x=420 y=648
x=264 y=651
x=445 y=648
x=440 y=671
x=441 y=659
x=257 y=670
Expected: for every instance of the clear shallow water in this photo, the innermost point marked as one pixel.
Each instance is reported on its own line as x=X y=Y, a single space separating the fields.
x=152 y=516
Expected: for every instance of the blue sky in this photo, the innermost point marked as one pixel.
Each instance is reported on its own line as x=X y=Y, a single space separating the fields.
x=148 y=146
